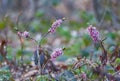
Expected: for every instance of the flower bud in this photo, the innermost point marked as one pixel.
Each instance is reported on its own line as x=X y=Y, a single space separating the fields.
x=24 y=34
x=54 y=26
x=57 y=52
x=94 y=33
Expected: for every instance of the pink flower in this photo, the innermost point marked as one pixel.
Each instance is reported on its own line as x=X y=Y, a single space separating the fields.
x=19 y=33
x=24 y=34
x=54 y=26
x=57 y=52
x=94 y=33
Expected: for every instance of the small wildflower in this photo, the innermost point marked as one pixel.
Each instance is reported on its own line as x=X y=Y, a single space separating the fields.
x=56 y=24
x=24 y=34
x=56 y=53
x=94 y=33
x=19 y=33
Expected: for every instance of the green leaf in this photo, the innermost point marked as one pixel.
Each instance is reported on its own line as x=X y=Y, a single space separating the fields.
x=2 y=25
x=5 y=75
x=42 y=78
x=87 y=39
x=109 y=69
x=117 y=60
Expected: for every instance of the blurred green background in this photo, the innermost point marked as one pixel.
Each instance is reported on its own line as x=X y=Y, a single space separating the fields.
x=38 y=15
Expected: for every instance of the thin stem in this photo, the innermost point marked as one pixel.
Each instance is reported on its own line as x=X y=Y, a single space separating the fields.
x=6 y=45
x=43 y=38
x=103 y=16
x=38 y=47
x=17 y=19
x=104 y=39
x=21 y=49
x=46 y=64
x=34 y=40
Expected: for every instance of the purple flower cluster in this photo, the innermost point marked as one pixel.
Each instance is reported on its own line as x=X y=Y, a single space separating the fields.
x=57 y=52
x=24 y=34
x=94 y=33
x=56 y=24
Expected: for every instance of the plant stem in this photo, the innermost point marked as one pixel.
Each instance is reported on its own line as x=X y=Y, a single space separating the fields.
x=21 y=42
x=34 y=40
x=43 y=38
x=38 y=54
x=46 y=64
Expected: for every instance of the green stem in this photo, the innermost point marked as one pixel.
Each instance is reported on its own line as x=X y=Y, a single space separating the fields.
x=43 y=38
x=22 y=52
